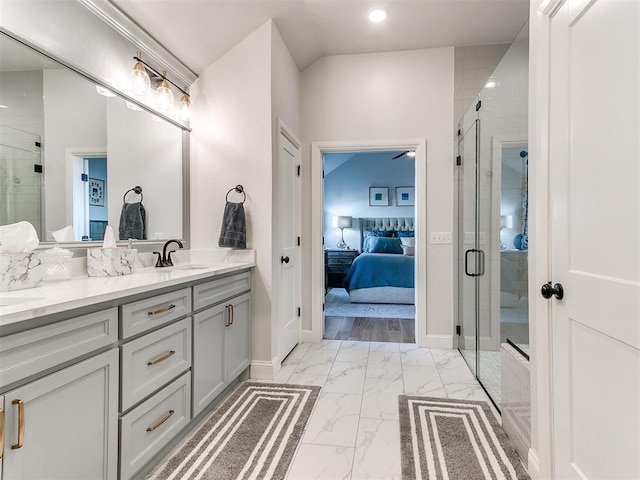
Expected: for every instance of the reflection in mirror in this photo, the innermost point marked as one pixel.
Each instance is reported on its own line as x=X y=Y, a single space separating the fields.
x=68 y=154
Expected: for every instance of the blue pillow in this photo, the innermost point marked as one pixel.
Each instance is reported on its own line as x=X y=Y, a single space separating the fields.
x=405 y=233
x=384 y=245
x=378 y=233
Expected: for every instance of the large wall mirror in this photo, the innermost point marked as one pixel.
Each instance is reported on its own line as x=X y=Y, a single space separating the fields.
x=72 y=157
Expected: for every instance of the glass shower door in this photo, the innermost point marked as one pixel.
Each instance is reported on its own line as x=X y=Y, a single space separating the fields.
x=467 y=152
x=20 y=178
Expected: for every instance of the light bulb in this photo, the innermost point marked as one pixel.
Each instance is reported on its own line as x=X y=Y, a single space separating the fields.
x=377 y=15
x=132 y=106
x=164 y=95
x=140 y=83
x=105 y=92
x=185 y=107
x=411 y=154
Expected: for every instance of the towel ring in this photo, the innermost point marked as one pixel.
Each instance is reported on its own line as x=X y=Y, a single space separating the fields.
x=137 y=189
x=238 y=189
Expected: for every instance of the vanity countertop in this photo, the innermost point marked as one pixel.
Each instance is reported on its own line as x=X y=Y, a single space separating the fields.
x=83 y=291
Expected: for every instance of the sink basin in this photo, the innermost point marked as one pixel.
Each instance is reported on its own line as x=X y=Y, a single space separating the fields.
x=191 y=267
x=7 y=302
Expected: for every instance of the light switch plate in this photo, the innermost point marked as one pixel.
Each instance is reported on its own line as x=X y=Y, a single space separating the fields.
x=440 y=238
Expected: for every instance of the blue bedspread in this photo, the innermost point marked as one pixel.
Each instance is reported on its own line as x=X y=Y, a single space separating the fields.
x=380 y=270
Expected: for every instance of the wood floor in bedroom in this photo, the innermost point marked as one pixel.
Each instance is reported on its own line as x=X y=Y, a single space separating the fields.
x=398 y=330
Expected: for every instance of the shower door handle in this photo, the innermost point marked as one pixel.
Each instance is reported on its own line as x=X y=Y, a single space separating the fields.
x=466 y=262
x=481 y=264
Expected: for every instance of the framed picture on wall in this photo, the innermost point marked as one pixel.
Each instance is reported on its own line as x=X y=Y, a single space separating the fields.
x=378 y=196
x=405 y=196
x=96 y=192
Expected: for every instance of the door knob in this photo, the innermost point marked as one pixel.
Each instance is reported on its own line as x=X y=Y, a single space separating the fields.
x=284 y=259
x=549 y=291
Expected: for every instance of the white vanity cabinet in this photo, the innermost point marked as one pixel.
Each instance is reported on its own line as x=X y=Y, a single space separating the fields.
x=64 y=425
x=221 y=336
x=60 y=417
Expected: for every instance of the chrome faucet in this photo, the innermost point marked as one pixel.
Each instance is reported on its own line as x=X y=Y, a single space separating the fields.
x=164 y=260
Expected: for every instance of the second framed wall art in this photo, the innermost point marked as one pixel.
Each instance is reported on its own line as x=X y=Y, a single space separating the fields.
x=378 y=196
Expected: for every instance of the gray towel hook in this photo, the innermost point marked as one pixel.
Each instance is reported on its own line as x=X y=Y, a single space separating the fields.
x=137 y=189
x=238 y=189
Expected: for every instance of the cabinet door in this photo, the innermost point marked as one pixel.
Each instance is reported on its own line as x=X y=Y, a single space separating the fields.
x=238 y=336
x=69 y=423
x=208 y=356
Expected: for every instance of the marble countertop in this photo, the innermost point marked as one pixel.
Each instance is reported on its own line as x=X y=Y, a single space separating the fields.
x=82 y=291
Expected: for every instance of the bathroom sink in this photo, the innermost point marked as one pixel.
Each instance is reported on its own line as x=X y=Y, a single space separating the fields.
x=191 y=267
x=7 y=302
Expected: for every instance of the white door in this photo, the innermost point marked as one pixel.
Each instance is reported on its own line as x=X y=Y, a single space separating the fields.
x=288 y=232
x=594 y=156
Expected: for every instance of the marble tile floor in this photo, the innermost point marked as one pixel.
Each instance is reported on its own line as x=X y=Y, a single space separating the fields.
x=353 y=432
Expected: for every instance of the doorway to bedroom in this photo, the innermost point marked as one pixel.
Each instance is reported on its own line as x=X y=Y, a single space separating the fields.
x=368 y=245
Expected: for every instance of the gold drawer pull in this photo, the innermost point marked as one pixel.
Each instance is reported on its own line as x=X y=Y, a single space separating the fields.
x=1 y=432
x=20 y=405
x=162 y=358
x=164 y=419
x=161 y=310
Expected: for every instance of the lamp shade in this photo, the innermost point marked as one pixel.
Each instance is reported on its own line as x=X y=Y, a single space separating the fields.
x=506 y=221
x=341 y=222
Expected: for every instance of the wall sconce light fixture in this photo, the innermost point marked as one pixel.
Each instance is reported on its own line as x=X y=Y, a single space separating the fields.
x=141 y=84
x=341 y=223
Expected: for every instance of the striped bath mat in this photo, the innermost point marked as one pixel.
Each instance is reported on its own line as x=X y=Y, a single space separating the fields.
x=253 y=434
x=454 y=439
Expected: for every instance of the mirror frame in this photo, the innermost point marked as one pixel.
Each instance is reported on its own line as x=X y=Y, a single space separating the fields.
x=79 y=248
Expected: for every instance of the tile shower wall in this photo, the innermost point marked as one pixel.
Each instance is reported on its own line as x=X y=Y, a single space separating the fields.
x=23 y=109
x=473 y=67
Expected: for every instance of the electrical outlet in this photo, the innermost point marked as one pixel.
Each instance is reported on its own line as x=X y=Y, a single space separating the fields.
x=440 y=238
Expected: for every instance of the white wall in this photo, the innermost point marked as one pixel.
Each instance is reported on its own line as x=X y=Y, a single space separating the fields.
x=75 y=120
x=232 y=144
x=346 y=192
x=388 y=96
x=146 y=152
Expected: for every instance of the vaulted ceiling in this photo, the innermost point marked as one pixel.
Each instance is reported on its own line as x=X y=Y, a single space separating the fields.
x=201 y=31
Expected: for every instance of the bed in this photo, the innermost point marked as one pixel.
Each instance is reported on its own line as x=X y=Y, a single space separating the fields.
x=385 y=270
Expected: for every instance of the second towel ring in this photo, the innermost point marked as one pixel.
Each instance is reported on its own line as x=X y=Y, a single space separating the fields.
x=137 y=189
x=238 y=189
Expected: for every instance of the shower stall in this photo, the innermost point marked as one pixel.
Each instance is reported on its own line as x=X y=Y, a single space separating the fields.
x=492 y=199
x=20 y=178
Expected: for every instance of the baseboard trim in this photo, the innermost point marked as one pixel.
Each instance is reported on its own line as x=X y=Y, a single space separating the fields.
x=265 y=370
x=308 y=336
x=439 y=341
x=533 y=465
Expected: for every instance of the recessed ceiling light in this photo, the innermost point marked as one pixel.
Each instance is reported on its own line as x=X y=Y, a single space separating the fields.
x=491 y=84
x=377 y=15
x=411 y=154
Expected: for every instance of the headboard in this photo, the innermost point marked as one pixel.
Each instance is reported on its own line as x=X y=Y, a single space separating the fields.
x=385 y=223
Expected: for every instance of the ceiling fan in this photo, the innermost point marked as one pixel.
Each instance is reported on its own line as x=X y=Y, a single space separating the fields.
x=408 y=153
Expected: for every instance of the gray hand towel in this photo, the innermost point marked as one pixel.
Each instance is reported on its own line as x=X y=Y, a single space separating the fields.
x=233 y=233
x=133 y=222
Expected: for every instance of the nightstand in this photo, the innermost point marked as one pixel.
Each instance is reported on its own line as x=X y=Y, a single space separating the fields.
x=336 y=266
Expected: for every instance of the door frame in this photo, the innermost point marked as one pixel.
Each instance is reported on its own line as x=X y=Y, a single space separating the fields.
x=317 y=231
x=540 y=460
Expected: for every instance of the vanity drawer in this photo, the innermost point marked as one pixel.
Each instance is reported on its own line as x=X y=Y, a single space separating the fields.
x=154 y=359
x=143 y=315
x=210 y=293
x=28 y=353
x=146 y=429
